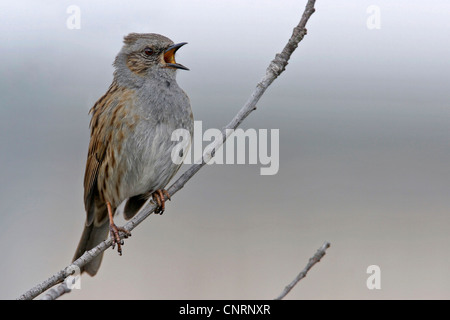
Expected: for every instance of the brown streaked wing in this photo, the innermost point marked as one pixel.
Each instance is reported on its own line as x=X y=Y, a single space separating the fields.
x=97 y=151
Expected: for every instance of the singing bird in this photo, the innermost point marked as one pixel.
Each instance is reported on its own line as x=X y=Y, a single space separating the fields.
x=129 y=156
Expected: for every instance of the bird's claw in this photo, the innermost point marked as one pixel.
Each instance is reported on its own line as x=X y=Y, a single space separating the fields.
x=159 y=196
x=117 y=237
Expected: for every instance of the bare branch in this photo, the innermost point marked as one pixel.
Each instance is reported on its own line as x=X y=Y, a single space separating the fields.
x=312 y=261
x=55 y=293
x=276 y=67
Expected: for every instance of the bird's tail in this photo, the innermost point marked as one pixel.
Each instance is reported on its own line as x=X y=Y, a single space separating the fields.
x=91 y=237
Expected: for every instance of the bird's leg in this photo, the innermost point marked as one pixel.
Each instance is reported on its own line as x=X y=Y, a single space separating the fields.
x=164 y=191
x=159 y=198
x=114 y=231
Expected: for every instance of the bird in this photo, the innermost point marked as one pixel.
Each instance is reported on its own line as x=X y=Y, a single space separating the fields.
x=129 y=155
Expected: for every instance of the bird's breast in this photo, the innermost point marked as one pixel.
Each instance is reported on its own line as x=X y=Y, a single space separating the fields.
x=143 y=155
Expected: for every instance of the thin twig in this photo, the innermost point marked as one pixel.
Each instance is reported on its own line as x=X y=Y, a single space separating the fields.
x=312 y=261
x=276 y=67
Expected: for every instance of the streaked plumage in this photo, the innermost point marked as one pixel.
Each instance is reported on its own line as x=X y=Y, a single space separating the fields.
x=130 y=149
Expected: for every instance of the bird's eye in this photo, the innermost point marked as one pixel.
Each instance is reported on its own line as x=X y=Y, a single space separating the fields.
x=148 y=51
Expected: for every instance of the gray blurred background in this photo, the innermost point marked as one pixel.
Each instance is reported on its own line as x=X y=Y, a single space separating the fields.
x=364 y=123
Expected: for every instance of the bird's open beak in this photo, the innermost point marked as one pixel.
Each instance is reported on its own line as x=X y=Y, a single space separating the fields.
x=169 y=56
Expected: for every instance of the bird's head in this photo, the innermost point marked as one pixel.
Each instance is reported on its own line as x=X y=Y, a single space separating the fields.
x=147 y=54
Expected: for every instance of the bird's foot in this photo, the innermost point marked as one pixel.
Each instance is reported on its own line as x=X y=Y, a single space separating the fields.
x=159 y=196
x=116 y=236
